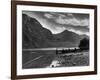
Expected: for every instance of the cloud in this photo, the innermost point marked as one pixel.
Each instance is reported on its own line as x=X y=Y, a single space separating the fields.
x=57 y=30
x=58 y=22
x=72 y=21
x=84 y=22
x=70 y=15
x=49 y=16
x=61 y=15
x=67 y=19
x=79 y=32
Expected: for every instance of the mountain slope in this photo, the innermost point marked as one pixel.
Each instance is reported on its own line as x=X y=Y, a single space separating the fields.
x=34 y=35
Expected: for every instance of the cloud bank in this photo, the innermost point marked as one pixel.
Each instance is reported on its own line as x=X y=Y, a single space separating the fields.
x=58 y=22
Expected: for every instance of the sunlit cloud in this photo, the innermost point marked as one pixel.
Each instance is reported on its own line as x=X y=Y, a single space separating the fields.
x=70 y=14
x=49 y=16
x=68 y=19
x=79 y=32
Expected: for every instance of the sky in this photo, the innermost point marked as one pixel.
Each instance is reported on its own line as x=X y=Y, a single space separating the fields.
x=57 y=22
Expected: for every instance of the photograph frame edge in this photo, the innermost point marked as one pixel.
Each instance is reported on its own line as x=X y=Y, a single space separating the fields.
x=14 y=41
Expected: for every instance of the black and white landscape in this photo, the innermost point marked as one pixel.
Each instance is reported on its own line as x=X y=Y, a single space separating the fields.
x=54 y=39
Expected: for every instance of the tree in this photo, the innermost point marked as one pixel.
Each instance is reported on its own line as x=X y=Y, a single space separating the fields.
x=84 y=44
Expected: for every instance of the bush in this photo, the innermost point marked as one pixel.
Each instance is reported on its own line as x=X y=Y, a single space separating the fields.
x=84 y=44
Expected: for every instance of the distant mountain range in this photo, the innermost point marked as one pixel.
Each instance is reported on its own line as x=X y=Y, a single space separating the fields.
x=36 y=36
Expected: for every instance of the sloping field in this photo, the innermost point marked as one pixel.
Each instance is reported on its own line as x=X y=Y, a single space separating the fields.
x=71 y=59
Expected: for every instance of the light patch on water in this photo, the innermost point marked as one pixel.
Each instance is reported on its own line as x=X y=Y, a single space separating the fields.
x=54 y=63
x=59 y=48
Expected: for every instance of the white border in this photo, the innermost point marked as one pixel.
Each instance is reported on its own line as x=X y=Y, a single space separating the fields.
x=21 y=71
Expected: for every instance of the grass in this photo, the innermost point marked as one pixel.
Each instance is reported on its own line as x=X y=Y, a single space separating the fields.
x=42 y=59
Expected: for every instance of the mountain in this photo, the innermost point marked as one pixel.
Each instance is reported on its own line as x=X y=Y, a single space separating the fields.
x=36 y=36
x=72 y=38
x=67 y=35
